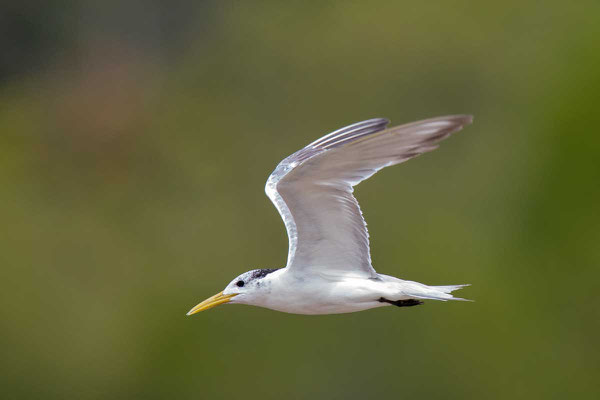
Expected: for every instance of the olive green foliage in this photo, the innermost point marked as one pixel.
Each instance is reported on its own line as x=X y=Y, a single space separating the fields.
x=136 y=138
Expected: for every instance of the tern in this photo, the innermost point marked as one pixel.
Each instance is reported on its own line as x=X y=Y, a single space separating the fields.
x=329 y=267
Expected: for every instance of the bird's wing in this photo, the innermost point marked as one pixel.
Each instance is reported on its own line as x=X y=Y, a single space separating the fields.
x=312 y=190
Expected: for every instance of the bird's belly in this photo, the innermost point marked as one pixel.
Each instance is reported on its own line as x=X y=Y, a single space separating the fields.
x=324 y=297
x=323 y=308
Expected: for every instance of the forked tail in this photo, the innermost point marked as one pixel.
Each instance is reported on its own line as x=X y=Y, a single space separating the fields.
x=442 y=293
x=406 y=290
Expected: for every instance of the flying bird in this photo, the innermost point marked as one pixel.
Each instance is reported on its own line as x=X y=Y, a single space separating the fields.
x=329 y=267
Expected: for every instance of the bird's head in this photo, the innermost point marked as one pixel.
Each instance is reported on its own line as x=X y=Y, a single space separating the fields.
x=244 y=289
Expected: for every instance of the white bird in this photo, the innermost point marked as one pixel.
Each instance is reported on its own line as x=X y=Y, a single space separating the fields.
x=329 y=267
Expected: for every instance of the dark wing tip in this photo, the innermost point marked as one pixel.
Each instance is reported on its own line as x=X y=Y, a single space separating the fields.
x=463 y=119
x=466 y=118
x=447 y=124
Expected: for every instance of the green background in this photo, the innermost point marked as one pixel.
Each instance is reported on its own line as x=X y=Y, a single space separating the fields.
x=136 y=138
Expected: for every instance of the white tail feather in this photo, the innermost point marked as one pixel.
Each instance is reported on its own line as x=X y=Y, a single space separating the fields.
x=441 y=293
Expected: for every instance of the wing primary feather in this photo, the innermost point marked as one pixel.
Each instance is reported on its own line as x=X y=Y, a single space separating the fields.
x=364 y=127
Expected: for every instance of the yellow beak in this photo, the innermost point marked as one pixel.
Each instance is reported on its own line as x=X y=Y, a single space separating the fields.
x=211 y=302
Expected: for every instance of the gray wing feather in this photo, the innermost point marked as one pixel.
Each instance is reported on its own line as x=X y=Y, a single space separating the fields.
x=312 y=190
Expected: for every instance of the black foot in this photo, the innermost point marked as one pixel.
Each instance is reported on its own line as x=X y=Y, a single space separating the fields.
x=401 y=303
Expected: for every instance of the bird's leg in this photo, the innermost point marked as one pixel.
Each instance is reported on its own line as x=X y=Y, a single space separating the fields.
x=401 y=303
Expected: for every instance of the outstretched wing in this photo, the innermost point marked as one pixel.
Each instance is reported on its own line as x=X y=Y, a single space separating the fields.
x=312 y=190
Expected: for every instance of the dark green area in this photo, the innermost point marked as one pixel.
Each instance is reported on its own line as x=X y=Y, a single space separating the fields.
x=136 y=138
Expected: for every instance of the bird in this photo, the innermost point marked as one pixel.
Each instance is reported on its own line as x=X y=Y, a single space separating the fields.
x=328 y=268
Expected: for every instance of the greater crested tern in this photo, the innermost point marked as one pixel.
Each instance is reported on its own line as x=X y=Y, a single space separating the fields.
x=329 y=267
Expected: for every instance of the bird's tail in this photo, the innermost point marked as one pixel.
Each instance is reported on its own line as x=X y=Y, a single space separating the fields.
x=442 y=293
x=415 y=290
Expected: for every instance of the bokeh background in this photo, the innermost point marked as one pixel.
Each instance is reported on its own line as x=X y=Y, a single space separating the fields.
x=136 y=138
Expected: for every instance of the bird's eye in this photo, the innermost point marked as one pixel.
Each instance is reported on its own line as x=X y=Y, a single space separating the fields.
x=240 y=283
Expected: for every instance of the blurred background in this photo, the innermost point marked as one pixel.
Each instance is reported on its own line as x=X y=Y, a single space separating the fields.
x=136 y=139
